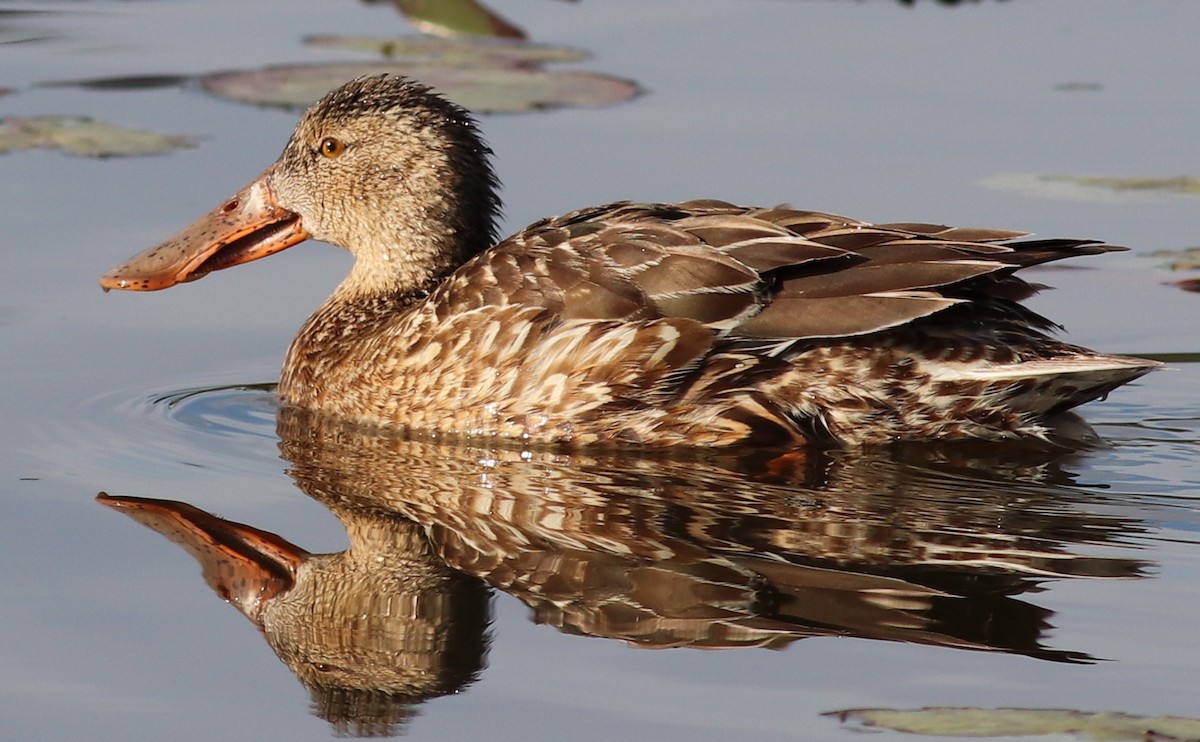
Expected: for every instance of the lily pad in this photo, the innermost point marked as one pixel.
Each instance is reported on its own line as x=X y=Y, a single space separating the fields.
x=457 y=18
x=480 y=89
x=1180 y=184
x=1180 y=260
x=1094 y=188
x=79 y=135
x=459 y=52
x=124 y=82
x=1103 y=726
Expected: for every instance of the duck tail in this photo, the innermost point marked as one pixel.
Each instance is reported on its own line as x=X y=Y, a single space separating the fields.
x=1049 y=386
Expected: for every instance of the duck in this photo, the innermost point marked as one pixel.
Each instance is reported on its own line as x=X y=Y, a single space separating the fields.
x=657 y=325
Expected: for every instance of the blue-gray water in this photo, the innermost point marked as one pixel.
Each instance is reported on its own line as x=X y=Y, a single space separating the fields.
x=872 y=109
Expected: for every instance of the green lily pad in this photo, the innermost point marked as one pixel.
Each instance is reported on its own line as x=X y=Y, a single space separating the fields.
x=457 y=18
x=1103 y=726
x=1094 y=188
x=459 y=52
x=480 y=89
x=1181 y=184
x=79 y=135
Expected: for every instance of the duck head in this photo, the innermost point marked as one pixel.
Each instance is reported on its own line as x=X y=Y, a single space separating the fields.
x=381 y=166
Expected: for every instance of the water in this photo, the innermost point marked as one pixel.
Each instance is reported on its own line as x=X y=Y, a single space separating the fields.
x=872 y=109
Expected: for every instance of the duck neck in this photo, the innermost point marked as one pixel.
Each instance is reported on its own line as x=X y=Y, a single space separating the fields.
x=409 y=263
x=436 y=220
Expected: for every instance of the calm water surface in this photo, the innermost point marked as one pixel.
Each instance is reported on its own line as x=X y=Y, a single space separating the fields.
x=922 y=578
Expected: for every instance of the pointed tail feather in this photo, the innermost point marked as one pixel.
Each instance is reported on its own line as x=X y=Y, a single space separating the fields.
x=1052 y=385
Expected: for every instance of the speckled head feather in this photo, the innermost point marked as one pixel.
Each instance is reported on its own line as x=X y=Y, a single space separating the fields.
x=415 y=160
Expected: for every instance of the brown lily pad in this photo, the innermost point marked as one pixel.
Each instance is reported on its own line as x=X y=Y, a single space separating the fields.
x=1189 y=284
x=80 y=135
x=1102 y=726
x=480 y=89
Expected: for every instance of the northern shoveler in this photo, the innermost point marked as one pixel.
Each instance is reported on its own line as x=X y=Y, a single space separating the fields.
x=698 y=323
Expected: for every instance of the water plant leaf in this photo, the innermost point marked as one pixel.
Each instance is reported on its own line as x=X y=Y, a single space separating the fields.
x=1187 y=259
x=480 y=89
x=1180 y=184
x=1094 y=188
x=461 y=52
x=457 y=18
x=124 y=82
x=80 y=135
x=1180 y=260
x=1101 y=726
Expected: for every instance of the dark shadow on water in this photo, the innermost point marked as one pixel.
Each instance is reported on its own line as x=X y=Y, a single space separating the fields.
x=694 y=550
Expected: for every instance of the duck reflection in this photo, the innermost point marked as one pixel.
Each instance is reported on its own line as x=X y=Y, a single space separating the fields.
x=700 y=550
x=371 y=631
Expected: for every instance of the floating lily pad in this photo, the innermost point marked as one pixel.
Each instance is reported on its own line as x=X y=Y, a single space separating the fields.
x=124 y=82
x=480 y=89
x=1180 y=260
x=1104 y=726
x=457 y=18
x=459 y=52
x=1094 y=188
x=1181 y=184
x=79 y=135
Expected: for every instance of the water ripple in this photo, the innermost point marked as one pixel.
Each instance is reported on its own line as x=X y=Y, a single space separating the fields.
x=229 y=411
x=126 y=435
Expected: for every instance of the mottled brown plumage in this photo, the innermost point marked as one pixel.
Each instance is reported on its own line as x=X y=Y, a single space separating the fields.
x=699 y=323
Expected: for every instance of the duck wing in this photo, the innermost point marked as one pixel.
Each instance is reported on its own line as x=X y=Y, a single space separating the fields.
x=776 y=273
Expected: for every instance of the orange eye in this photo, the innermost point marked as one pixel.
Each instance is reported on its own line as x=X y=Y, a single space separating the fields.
x=331 y=147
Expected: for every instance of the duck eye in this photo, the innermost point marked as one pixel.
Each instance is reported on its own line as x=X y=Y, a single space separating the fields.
x=332 y=147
